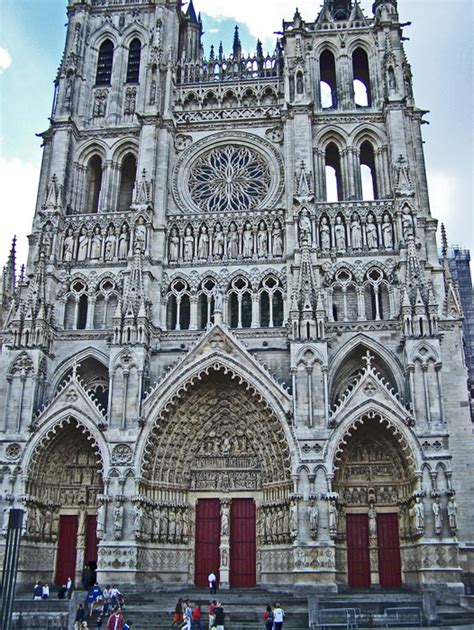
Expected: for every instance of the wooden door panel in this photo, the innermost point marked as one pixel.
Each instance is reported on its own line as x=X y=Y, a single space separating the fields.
x=358 y=560
x=390 y=573
x=243 y=545
x=91 y=540
x=67 y=540
x=208 y=525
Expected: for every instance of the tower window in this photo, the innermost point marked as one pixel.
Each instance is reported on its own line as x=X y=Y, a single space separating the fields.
x=104 y=63
x=133 y=67
x=94 y=175
x=82 y=312
x=128 y=174
x=367 y=170
x=333 y=173
x=328 y=83
x=361 y=74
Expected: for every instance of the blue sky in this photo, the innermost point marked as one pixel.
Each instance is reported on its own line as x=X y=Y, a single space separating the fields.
x=440 y=50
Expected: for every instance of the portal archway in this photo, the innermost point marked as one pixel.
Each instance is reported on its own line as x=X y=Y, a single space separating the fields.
x=374 y=477
x=225 y=446
x=64 y=479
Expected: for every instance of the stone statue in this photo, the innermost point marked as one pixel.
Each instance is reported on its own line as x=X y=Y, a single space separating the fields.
x=185 y=526
x=340 y=235
x=247 y=249
x=305 y=226
x=277 y=240
x=171 y=526
x=224 y=519
x=137 y=518
x=437 y=515
x=110 y=242
x=356 y=232
x=47 y=240
x=233 y=242
x=218 y=242
x=372 y=514
x=83 y=245
x=188 y=250
x=294 y=519
x=203 y=244
x=419 y=510
x=140 y=235
x=333 y=517
x=101 y=515
x=371 y=233
x=407 y=224
x=174 y=245
x=313 y=518
x=217 y=294
x=124 y=242
x=117 y=515
x=452 y=514
x=96 y=244
x=82 y=521
x=387 y=232
x=325 y=235
x=68 y=246
x=262 y=240
x=225 y=557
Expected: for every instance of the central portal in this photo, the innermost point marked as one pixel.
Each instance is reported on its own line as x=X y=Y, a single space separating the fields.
x=222 y=550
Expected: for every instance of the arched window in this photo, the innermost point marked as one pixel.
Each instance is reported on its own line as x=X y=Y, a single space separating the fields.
x=178 y=315
x=271 y=303
x=240 y=304
x=328 y=84
x=104 y=63
x=333 y=173
x=206 y=304
x=367 y=172
x=82 y=312
x=361 y=75
x=133 y=66
x=94 y=183
x=128 y=174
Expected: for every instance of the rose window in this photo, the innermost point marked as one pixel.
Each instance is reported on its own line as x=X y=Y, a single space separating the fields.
x=229 y=179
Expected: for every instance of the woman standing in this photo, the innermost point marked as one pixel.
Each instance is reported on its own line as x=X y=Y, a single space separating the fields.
x=268 y=618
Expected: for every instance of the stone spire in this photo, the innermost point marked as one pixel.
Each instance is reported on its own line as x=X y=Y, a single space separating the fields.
x=191 y=13
x=131 y=319
x=237 y=44
x=307 y=313
x=452 y=300
x=9 y=275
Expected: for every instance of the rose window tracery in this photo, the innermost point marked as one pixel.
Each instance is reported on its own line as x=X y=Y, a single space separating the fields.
x=228 y=179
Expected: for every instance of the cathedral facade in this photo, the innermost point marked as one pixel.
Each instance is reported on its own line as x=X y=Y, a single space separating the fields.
x=235 y=347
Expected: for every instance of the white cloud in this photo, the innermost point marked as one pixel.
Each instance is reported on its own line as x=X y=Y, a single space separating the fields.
x=262 y=18
x=5 y=59
x=446 y=201
x=18 y=188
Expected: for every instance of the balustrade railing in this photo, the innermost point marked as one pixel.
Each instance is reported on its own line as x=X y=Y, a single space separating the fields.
x=230 y=69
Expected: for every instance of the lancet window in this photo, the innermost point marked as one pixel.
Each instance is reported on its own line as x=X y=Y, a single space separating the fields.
x=368 y=172
x=206 y=303
x=105 y=305
x=178 y=315
x=328 y=82
x=361 y=76
x=133 y=65
x=94 y=183
x=334 y=190
x=271 y=303
x=128 y=173
x=104 y=63
x=77 y=307
x=240 y=303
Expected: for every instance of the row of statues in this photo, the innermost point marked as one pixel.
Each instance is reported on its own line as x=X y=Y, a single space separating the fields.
x=226 y=244
x=99 y=244
x=417 y=511
x=341 y=235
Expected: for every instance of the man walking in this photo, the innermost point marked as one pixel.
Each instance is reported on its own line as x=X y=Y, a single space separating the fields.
x=211 y=578
x=219 y=617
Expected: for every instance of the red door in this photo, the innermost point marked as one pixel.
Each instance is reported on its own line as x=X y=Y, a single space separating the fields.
x=243 y=546
x=358 y=561
x=208 y=530
x=390 y=570
x=66 y=559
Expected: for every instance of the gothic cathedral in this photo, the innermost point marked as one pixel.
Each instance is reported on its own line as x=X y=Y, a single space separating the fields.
x=235 y=347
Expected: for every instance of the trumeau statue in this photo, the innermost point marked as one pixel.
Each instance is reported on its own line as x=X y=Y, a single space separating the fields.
x=325 y=235
x=262 y=241
x=371 y=233
x=96 y=244
x=233 y=242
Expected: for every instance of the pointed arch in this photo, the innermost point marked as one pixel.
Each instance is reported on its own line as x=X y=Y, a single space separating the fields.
x=66 y=366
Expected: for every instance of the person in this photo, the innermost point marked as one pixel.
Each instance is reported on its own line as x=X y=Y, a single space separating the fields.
x=212 y=616
x=90 y=602
x=45 y=591
x=115 y=621
x=80 y=617
x=197 y=618
x=106 y=600
x=278 y=617
x=114 y=594
x=188 y=615
x=268 y=618
x=85 y=577
x=211 y=578
x=219 y=616
x=69 y=587
x=62 y=592
x=98 y=622
x=128 y=625
x=178 y=613
x=37 y=591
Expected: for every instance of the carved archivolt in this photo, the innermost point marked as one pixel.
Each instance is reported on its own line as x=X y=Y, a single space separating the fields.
x=218 y=436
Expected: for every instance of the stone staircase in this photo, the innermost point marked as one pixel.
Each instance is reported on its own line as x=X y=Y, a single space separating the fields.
x=151 y=607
